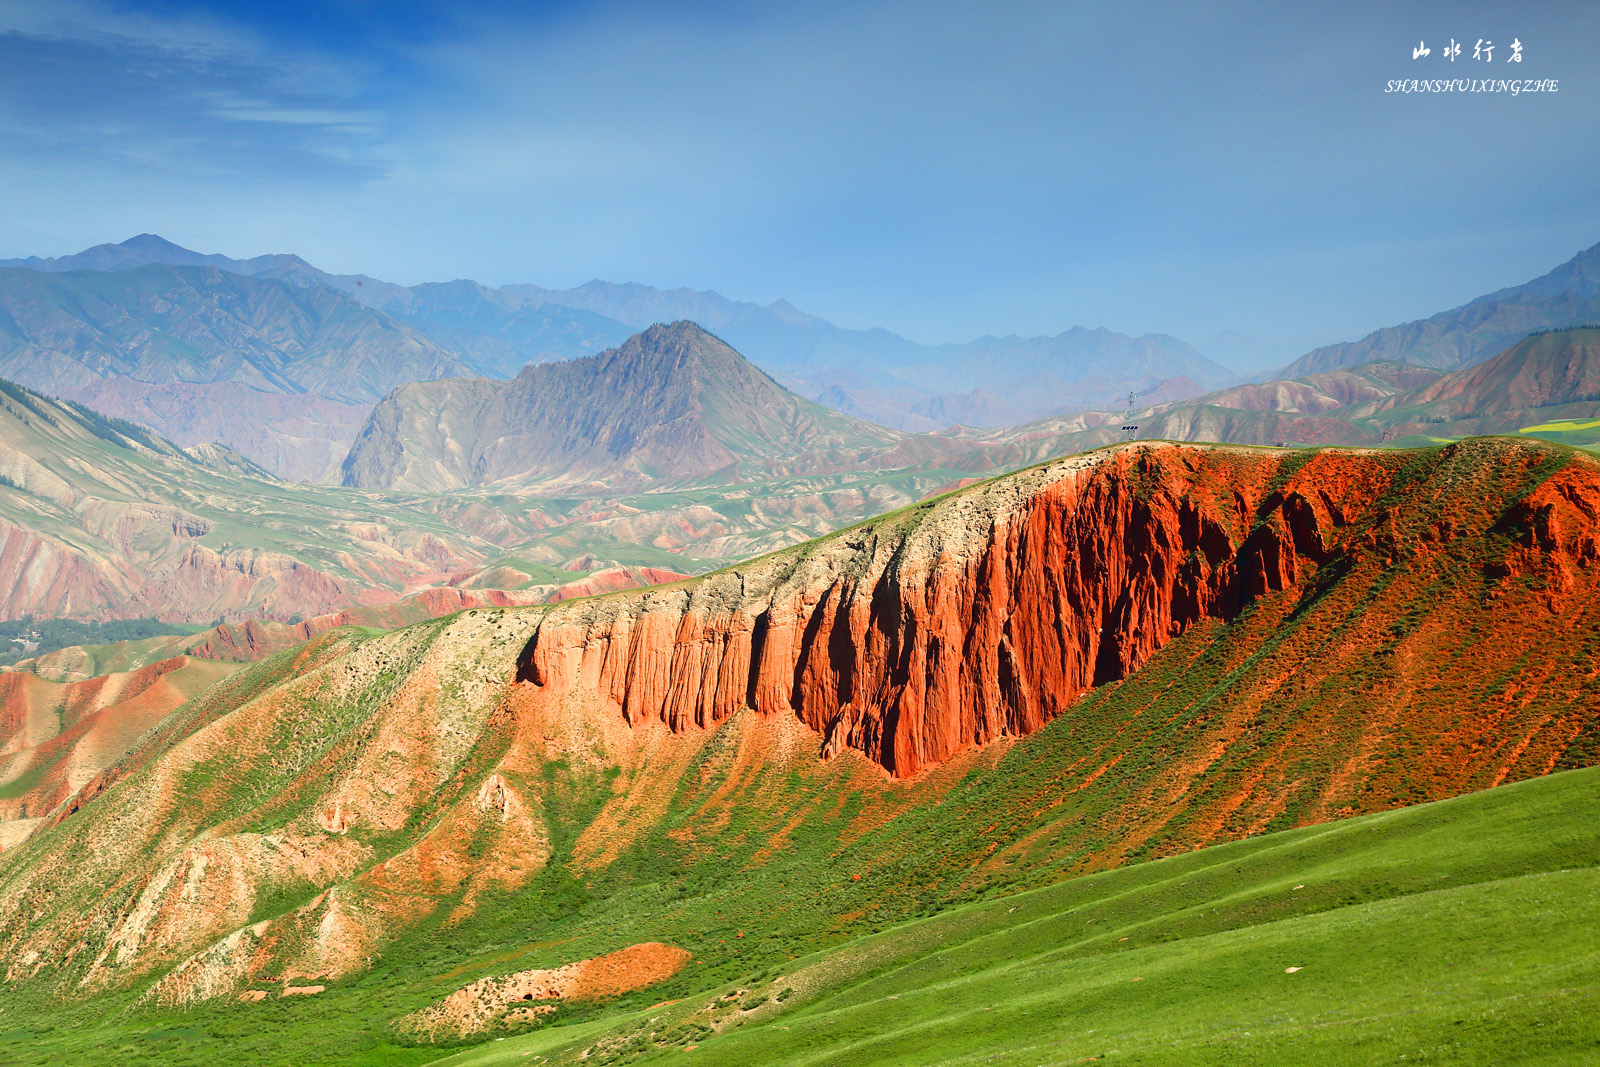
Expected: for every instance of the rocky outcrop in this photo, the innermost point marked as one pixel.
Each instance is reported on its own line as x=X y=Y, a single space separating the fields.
x=986 y=615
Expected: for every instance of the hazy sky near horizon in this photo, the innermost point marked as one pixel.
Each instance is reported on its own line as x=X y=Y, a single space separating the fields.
x=944 y=170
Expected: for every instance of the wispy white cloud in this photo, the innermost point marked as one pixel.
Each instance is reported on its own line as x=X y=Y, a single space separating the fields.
x=241 y=109
x=86 y=84
x=101 y=25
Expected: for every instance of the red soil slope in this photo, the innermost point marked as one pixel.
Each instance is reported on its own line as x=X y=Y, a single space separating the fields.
x=477 y=1007
x=55 y=737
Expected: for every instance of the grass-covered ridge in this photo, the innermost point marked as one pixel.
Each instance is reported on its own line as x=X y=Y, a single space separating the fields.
x=1414 y=673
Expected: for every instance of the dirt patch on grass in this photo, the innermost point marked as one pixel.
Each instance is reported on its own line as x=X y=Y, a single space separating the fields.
x=526 y=995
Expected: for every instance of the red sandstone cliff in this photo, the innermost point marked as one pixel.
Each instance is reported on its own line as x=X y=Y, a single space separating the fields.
x=951 y=624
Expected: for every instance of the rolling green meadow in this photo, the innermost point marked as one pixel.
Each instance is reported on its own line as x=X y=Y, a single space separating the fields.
x=1465 y=931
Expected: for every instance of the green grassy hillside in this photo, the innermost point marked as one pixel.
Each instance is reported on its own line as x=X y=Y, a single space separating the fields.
x=1466 y=931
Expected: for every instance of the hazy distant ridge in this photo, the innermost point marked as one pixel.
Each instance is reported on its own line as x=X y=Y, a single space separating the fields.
x=873 y=374
x=1569 y=295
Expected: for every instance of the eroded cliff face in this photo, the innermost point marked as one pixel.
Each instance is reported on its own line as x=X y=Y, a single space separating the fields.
x=984 y=615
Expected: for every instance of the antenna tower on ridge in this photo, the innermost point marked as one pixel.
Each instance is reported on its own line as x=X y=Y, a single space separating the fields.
x=1129 y=427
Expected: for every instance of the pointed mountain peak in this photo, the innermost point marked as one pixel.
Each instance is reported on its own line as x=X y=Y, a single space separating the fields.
x=666 y=346
x=683 y=341
x=680 y=328
x=155 y=244
x=672 y=405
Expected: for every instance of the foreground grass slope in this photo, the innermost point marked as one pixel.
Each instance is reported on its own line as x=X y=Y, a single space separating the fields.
x=1461 y=931
x=1464 y=931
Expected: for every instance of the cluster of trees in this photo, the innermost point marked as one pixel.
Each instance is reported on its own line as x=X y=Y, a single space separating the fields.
x=47 y=635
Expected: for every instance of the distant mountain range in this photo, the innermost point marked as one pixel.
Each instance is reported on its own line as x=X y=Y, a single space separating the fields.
x=675 y=407
x=499 y=330
x=1546 y=385
x=165 y=325
x=147 y=248
x=184 y=321
x=281 y=361
x=100 y=519
x=671 y=443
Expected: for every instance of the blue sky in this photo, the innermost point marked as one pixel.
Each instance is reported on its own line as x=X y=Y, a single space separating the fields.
x=945 y=170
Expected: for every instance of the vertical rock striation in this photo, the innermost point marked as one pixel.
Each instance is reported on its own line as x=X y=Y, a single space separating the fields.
x=956 y=622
